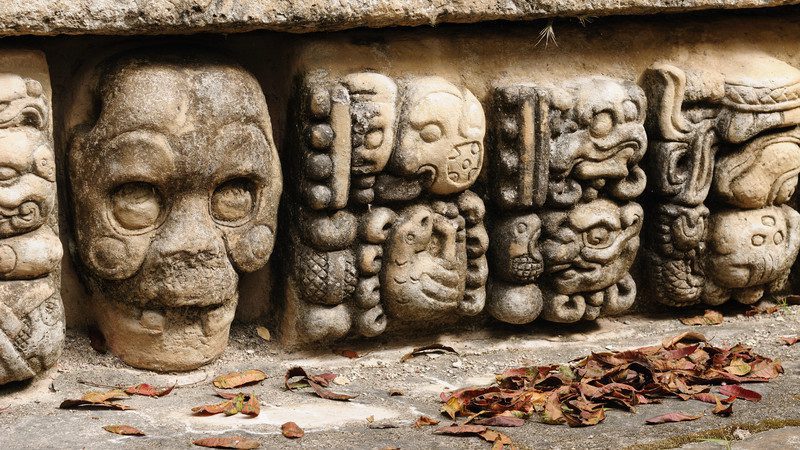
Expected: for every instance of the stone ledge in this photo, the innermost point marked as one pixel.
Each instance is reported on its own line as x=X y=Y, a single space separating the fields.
x=52 y=17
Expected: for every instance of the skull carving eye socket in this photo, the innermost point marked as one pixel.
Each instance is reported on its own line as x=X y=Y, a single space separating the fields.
x=598 y=237
x=136 y=206
x=758 y=240
x=431 y=133
x=602 y=124
x=522 y=228
x=233 y=201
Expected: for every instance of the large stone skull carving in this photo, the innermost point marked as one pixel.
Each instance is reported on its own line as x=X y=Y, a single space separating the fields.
x=175 y=190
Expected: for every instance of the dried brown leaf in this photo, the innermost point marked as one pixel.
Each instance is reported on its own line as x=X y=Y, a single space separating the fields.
x=734 y=390
x=316 y=382
x=125 y=430
x=687 y=336
x=351 y=354
x=237 y=379
x=98 y=400
x=148 y=390
x=292 y=431
x=738 y=367
x=235 y=442
x=672 y=417
x=251 y=407
x=461 y=430
x=500 y=421
x=710 y=317
x=217 y=408
x=424 y=421
x=433 y=348
x=790 y=340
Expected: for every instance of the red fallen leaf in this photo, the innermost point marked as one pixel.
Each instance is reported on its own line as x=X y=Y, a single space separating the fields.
x=237 y=379
x=97 y=400
x=691 y=336
x=734 y=390
x=351 y=354
x=425 y=421
x=706 y=397
x=790 y=340
x=433 y=348
x=498 y=439
x=236 y=442
x=125 y=430
x=681 y=352
x=217 y=408
x=500 y=421
x=148 y=390
x=252 y=406
x=710 y=317
x=292 y=431
x=316 y=382
x=461 y=430
x=672 y=417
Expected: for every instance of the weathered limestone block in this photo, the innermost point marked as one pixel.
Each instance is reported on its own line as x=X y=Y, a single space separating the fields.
x=564 y=178
x=175 y=184
x=724 y=162
x=31 y=312
x=382 y=224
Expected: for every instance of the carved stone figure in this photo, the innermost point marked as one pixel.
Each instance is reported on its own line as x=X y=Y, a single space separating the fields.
x=565 y=162
x=31 y=312
x=382 y=225
x=175 y=184
x=724 y=162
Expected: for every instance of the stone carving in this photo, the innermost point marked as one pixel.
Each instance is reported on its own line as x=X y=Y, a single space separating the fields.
x=724 y=163
x=175 y=186
x=31 y=312
x=382 y=225
x=564 y=175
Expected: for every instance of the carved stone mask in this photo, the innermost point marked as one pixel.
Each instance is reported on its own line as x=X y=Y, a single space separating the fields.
x=592 y=246
x=441 y=136
x=515 y=250
x=175 y=189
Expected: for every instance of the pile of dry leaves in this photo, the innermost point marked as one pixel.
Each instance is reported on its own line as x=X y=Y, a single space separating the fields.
x=685 y=366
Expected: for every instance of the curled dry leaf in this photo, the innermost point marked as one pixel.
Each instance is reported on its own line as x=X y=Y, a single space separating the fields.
x=672 y=417
x=235 y=442
x=351 y=354
x=761 y=309
x=263 y=333
x=125 y=430
x=736 y=391
x=148 y=390
x=317 y=382
x=292 y=431
x=687 y=336
x=461 y=430
x=424 y=421
x=501 y=420
x=234 y=403
x=790 y=340
x=98 y=400
x=710 y=317
x=238 y=379
x=433 y=348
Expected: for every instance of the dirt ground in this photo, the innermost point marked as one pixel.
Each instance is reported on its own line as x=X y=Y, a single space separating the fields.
x=31 y=418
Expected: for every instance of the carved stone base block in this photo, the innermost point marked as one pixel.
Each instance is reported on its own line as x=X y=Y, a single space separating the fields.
x=31 y=312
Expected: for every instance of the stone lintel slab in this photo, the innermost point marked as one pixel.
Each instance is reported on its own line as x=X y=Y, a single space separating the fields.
x=53 y=17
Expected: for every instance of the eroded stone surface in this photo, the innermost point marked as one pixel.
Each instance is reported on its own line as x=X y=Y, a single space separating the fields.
x=565 y=166
x=723 y=165
x=31 y=312
x=382 y=224
x=175 y=183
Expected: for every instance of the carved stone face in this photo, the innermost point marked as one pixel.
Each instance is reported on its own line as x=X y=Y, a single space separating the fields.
x=592 y=246
x=426 y=261
x=515 y=251
x=752 y=247
x=441 y=136
x=602 y=138
x=175 y=190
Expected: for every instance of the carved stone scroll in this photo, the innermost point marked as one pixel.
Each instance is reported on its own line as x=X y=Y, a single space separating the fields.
x=724 y=162
x=382 y=224
x=565 y=176
x=175 y=185
x=31 y=312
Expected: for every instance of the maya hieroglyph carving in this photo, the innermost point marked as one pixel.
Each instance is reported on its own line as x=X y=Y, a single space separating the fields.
x=382 y=224
x=175 y=186
x=724 y=161
x=564 y=176
x=31 y=313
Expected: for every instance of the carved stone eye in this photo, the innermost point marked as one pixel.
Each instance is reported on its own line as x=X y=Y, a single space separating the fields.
x=758 y=239
x=778 y=238
x=232 y=201
x=522 y=228
x=598 y=237
x=136 y=206
x=602 y=124
x=431 y=132
x=373 y=139
x=8 y=173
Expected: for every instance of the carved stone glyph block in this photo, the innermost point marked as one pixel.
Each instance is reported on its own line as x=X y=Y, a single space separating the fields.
x=175 y=182
x=31 y=313
x=382 y=224
x=564 y=178
x=723 y=165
